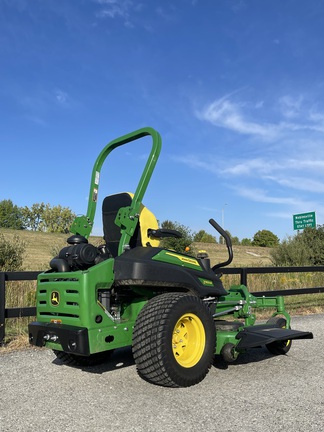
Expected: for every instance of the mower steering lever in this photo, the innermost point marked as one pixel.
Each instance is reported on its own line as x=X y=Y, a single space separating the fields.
x=228 y=242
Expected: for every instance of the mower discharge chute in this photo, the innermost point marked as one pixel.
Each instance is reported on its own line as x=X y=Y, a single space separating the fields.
x=170 y=307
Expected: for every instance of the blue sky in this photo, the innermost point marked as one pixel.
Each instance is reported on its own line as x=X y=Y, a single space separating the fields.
x=235 y=88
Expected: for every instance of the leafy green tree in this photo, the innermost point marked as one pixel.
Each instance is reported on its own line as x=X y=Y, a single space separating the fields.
x=235 y=241
x=203 y=237
x=305 y=248
x=183 y=244
x=10 y=215
x=32 y=217
x=291 y=252
x=11 y=253
x=313 y=238
x=56 y=219
x=246 y=242
x=265 y=238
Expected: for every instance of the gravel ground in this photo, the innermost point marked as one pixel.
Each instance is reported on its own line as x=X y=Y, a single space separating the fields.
x=258 y=392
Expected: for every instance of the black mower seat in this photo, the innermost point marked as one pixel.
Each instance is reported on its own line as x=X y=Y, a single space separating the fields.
x=112 y=234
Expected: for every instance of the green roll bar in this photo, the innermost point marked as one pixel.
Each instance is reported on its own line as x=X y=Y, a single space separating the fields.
x=127 y=217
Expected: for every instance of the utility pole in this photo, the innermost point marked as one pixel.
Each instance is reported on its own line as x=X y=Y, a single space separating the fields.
x=223 y=221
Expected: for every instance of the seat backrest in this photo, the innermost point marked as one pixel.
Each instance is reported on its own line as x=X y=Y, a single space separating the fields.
x=112 y=234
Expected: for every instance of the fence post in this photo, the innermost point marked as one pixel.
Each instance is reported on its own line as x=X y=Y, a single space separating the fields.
x=2 y=307
x=244 y=276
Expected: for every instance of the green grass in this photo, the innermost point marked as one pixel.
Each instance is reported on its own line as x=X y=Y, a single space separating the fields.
x=244 y=256
x=40 y=247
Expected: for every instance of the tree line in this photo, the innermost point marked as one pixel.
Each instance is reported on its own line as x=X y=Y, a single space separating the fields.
x=58 y=219
x=262 y=238
x=306 y=248
x=38 y=217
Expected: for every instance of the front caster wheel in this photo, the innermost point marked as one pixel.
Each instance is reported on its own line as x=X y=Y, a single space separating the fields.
x=174 y=340
x=278 y=347
x=228 y=353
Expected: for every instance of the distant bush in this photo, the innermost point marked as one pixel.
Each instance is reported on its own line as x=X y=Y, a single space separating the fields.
x=182 y=244
x=246 y=242
x=265 y=238
x=306 y=248
x=203 y=237
x=235 y=241
x=11 y=253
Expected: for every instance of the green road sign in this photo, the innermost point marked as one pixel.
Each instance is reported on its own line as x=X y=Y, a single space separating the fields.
x=304 y=220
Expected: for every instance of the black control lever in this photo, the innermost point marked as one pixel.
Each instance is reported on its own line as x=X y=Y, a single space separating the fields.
x=228 y=242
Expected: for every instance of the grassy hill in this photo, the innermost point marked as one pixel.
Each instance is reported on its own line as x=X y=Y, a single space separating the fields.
x=244 y=256
x=41 y=247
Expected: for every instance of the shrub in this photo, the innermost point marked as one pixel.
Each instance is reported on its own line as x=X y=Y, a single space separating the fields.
x=11 y=253
x=203 y=237
x=265 y=238
x=182 y=244
x=306 y=248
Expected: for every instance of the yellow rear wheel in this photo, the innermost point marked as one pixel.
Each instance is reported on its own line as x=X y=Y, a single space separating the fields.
x=174 y=340
x=188 y=340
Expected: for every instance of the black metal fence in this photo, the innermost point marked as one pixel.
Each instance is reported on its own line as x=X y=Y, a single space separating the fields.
x=245 y=271
x=18 y=312
x=14 y=312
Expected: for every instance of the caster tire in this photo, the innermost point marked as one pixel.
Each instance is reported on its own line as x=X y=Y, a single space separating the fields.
x=279 y=347
x=228 y=353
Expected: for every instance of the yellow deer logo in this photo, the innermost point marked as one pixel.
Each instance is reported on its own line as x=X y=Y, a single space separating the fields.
x=55 y=298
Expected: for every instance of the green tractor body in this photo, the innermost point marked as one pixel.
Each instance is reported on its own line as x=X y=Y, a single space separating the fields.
x=170 y=307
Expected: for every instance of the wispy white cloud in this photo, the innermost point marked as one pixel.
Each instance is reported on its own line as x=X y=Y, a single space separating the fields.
x=167 y=13
x=61 y=96
x=260 y=195
x=225 y=113
x=300 y=183
x=290 y=106
x=194 y=161
x=256 y=166
x=266 y=167
x=40 y=105
x=288 y=174
x=294 y=204
x=241 y=117
x=121 y=9
x=281 y=176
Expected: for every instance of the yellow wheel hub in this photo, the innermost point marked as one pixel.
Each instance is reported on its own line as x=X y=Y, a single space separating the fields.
x=288 y=341
x=188 y=340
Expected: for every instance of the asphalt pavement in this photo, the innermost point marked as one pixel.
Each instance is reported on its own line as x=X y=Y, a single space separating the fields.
x=257 y=393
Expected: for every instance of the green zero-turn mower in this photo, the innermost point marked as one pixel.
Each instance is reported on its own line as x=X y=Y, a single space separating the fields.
x=171 y=308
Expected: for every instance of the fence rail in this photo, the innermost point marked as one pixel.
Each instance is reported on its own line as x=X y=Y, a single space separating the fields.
x=14 y=312
x=19 y=312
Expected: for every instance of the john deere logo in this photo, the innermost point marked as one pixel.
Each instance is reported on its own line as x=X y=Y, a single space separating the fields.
x=55 y=298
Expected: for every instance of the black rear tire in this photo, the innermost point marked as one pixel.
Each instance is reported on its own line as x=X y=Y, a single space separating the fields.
x=279 y=347
x=174 y=340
